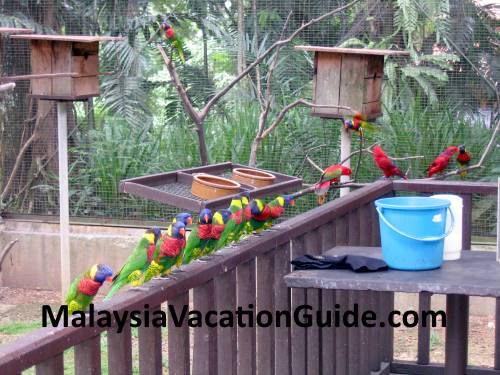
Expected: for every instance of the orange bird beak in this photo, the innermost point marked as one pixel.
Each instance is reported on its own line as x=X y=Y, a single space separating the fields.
x=190 y=221
x=206 y=218
x=109 y=278
x=182 y=231
x=292 y=202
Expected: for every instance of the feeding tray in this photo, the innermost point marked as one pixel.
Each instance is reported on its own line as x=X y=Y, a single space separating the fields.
x=174 y=188
x=253 y=177
x=208 y=186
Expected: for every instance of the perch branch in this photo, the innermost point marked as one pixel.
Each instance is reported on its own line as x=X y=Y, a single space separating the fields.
x=479 y=164
x=310 y=161
x=6 y=250
x=311 y=188
x=369 y=150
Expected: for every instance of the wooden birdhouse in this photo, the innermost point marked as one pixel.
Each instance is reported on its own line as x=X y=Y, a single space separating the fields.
x=64 y=67
x=349 y=77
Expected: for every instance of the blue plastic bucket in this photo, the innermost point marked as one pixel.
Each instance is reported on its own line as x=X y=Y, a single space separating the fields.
x=412 y=231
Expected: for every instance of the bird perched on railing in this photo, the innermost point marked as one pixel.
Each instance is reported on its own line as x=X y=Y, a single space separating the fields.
x=84 y=288
x=219 y=220
x=441 y=162
x=331 y=175
x=385 y=164
x=173 y=243
x=198 y=237
x=463 y=159
x=133 y=269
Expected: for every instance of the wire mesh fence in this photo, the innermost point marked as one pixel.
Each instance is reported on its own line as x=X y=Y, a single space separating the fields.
x=443 y=94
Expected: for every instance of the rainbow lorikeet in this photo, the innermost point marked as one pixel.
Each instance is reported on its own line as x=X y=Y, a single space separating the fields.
x=385 y=164
x=184 y=217
x=198 y=237
x=219 y=220
x=173 y=244
x=84 y=288
x=137 y=262
x=441 y=162
x=358 y=124
x=463 y=159
x=260 y=214
x=331 y=175
x=277 y=206
x=234 y=225
x=175 y=42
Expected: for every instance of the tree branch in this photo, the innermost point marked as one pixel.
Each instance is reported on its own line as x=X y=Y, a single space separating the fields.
x=314 y=164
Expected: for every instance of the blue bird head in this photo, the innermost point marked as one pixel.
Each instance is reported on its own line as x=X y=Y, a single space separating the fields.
x=256 y=207
x=205 y=216
x=184 y=217
x=101 y=272
x=156 y=232
x=289 y=200
x=178 y=230
x=226 y=215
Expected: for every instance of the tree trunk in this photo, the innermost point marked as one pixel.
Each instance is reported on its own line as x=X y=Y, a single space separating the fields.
x=200 y=130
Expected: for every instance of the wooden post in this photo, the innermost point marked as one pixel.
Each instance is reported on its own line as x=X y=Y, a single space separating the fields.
x=345 y=151
x=498 y=221
x=62 y=135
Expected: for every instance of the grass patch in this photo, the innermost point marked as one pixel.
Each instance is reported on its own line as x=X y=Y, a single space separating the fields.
x=18 y=328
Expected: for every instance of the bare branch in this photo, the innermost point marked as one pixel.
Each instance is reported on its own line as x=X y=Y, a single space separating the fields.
x=369 y=150
x=314 y=164
x=311 y=189
x=258 y=60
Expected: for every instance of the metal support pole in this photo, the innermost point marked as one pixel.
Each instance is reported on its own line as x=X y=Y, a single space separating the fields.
x=345 y=151
x=62 y=135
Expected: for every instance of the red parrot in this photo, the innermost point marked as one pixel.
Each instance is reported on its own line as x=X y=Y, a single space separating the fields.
x=330 y=176
x=385 y=164
x=463 y=159
x=441 y=162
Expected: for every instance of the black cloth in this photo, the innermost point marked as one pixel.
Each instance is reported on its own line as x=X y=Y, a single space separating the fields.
x=356 y=263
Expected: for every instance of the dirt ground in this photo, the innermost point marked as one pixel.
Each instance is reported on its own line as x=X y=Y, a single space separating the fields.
x=20 y=312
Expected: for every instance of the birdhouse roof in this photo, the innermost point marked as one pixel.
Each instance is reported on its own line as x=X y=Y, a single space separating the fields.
x=15 y=30
x=68 y=38
x=355 y=51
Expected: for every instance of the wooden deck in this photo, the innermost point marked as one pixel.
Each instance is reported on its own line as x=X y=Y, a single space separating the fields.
x=253 y=273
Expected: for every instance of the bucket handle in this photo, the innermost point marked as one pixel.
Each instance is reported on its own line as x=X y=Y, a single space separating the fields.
x=426 y=239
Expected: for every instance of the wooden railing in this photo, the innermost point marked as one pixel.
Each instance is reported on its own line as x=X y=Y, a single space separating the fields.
x=248 y=273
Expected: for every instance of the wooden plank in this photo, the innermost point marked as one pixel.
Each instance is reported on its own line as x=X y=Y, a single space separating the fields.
x=282 y=302
x=178 y=339
x=120 y=351
x=457 y=323
x=354 y=339
x=373 y=333
x=88 y=357
x=327 y=234
x=467 y=221
x=373 y=90
x=424 y=333
x=452 y=187
x=364 y=334
x=51 y=366
x=245 y=274
x=406 y=367
x=61 y=63
x=312 y=244
x=365 y=225
x=497 y=334
x=341 y=335
x=265 y=302
x=150 y=355
x=372 y=110
x=84 y=48
x=15 y=30
x=225 y=298
x=68 y=38
x=298 y=335
x=352 y=83
x=327 y=346
x=358 y=51
x=341 y=231
x=387 y=336
x=374 y=67
x=204 y=337
x=327 y=83
x=375 y=226
x=87 y=66
x=41 y=63
x=354 y=228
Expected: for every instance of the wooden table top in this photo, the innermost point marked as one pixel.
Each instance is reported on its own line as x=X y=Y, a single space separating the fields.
x=476 y=273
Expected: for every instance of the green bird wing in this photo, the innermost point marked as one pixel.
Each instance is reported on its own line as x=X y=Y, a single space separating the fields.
x=73 y=289
x=193 y=243
x=223 y=240
x=138 y=260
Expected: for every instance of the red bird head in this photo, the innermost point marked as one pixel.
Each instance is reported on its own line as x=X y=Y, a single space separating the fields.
x=346 y=171
x=378 y=152
x=451 y=150
x=169 y=33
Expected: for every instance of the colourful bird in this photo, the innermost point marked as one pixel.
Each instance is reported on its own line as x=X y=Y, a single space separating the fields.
x=172 y=246
x=198 y=237
x=385 y=164
x=277 y=206
x=463 y=159
x=132 y=272
x=331 y=175
x=184 y=217
x=219 y=220
x=234 y=225
x=358 y=124
x=441 y=162
x=173 y=39
x=260 y=213
x=84 y=288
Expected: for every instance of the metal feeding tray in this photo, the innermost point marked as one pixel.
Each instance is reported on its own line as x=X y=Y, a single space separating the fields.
x=174 y=188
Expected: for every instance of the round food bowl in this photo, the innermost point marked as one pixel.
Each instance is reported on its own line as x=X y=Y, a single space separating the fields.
x=253 y=177
x=208 y=186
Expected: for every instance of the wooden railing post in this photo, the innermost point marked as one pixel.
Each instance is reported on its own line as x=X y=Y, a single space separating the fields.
x=178 y=338
x=51 y=366
x=150 y=356
x=245 y=274
x=88 y=357
x=120 y=351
